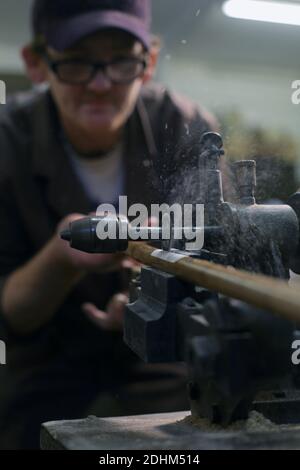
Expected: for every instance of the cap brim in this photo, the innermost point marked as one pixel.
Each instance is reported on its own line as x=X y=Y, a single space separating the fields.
x=63 y=34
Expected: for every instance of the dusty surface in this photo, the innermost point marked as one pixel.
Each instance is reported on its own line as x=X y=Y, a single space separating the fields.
x=255 y=423
x=166 y=431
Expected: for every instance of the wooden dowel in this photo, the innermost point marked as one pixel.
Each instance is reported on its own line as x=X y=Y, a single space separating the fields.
x=260 y=291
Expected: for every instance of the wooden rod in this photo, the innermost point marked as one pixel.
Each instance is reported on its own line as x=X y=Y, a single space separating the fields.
x=260 y=291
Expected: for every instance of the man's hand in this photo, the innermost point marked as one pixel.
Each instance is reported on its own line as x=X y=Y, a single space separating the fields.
x=113 y=319
x=80 y=261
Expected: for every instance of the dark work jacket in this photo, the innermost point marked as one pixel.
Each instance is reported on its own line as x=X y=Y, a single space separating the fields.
x=38 y=187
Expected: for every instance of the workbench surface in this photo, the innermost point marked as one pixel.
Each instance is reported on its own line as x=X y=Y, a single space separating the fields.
x=156 y=432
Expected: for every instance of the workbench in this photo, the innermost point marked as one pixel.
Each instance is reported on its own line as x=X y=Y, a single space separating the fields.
x=156 y=432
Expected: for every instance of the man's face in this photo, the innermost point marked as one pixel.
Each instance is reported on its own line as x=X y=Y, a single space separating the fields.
x=100 y=105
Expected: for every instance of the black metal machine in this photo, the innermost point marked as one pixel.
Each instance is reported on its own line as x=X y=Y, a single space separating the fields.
x=239 y=357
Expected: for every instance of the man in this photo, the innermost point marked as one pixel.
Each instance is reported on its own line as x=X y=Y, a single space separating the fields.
x=96 y=132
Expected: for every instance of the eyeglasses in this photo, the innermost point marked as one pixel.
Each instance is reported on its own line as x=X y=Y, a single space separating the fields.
x=81 y=72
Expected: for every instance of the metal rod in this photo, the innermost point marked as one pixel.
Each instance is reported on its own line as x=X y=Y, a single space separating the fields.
x=260 y=291
x=157 y=233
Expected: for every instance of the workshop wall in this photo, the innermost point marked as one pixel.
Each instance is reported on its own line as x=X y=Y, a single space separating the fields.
x=228 y=65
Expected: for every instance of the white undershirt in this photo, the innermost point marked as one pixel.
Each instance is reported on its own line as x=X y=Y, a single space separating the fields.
x=103 y=177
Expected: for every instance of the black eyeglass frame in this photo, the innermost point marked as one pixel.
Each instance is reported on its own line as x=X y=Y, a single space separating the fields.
x=95 y=67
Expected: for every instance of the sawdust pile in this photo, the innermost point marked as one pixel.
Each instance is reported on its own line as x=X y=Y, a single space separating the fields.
x=255 y=423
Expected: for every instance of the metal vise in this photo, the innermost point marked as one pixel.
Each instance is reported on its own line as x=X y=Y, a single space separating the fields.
x=233 y=351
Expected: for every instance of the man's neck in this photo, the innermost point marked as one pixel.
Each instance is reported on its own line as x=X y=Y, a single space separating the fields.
x=89 y=145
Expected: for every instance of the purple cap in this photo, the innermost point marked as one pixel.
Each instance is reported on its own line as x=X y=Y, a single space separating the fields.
x=65 y=22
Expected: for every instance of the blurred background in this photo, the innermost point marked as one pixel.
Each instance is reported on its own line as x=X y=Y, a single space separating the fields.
x=241 y=69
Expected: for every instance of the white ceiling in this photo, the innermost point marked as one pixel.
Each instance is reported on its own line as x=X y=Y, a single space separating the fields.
x=208 y=35
x=218 y=61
